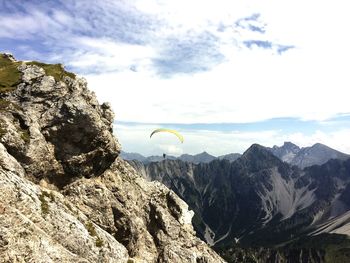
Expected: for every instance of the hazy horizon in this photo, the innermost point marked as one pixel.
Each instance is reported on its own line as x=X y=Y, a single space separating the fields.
x=215 y=155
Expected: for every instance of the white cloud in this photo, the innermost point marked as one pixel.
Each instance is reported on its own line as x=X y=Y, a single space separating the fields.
x=36 y=23
x=337 y=139
x=136 y=138
x=255 y=86
x=115 y=45
x=105 y=55
x=308 y=82
x=18 y=26
x=195 y=14
x=171 y=149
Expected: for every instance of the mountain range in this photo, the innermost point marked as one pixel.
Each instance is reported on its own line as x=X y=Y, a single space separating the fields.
x=67 y=196
x=260 y=200
x=203 y=157
x=306 y=156
x=288 y=152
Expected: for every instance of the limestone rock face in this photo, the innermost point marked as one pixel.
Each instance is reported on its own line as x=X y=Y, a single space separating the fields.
x=65 y=196
x=39 y=225
x=151 y=221
x=59 y=125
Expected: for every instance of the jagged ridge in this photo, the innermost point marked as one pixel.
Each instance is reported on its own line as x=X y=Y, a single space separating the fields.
x=259 y=199
x=65 y=196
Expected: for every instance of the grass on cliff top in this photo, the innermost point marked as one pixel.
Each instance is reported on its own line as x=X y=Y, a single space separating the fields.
x=55 y=70
x=9 y=74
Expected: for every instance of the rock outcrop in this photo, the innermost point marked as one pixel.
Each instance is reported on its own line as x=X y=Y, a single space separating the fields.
x=65 y=195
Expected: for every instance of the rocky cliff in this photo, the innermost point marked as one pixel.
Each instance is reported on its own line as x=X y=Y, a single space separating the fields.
x=65 y=196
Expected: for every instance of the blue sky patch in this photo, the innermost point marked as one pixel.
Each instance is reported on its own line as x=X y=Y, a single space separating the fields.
x=194 y=54
x=258 y=43
x=251 y=23
x=285 y=125
x=281 y=49
x=264 y=44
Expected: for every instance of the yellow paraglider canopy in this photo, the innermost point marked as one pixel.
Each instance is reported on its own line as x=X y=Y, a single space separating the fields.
x=178 y=135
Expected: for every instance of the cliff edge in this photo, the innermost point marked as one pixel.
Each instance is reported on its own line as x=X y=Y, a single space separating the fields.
x=65 y=195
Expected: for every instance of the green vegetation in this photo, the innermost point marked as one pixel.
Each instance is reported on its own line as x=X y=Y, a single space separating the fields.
x=9 y=74
x=44 y=204
x=92 y=231
x=2 y=132
x=55 y=70
x=337 y=255
x=2 y=129
x=24 y=133
x=329 y=248
x=49 y=195
x=99 y=242
x=25 y=136
x=69 y=206
x=336 y=247
x=4 y=104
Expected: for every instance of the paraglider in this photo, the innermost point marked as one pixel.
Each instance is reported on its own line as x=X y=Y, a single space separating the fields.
x=178 y=135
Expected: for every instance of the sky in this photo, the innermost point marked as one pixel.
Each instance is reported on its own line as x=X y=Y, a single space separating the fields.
x=225 y=74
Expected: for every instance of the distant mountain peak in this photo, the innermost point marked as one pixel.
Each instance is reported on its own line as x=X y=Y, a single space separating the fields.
x=258 y=157
x=231 y=157
x=286 y=146
x=306 y=156
x=202 y=157
x=255 y=148
x=320 y=145
x=203 y=153
x=290 y=144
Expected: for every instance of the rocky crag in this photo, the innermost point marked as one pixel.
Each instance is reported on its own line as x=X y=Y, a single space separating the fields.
x=65 y=195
